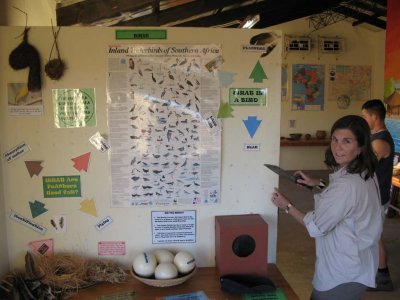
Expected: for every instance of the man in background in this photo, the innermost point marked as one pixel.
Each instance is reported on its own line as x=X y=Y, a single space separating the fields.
x=374 y=112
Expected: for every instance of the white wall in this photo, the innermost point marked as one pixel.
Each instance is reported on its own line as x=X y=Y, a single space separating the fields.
x=4 y=263
x=362 y=47
x=39 y=12
x=246 y=184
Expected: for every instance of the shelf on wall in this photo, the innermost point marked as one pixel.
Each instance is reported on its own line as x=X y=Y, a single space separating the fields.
x=301 y=143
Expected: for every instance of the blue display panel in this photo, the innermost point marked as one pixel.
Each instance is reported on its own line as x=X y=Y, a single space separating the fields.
x=393 y=125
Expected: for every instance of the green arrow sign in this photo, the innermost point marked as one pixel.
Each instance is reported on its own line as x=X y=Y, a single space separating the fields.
x=258 y=74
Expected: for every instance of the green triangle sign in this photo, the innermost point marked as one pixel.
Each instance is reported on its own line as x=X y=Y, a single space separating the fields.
x=258 y=74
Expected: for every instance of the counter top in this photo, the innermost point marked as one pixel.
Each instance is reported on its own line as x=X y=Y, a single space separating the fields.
x=205 y=279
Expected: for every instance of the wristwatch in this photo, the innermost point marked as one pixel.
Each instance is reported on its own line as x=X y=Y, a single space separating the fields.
x=321 y=185
x=288 y=207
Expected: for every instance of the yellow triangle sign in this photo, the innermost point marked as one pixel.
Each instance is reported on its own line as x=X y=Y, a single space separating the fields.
x=88 y=206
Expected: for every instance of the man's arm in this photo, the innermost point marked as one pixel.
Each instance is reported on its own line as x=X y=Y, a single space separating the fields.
x=381 y=148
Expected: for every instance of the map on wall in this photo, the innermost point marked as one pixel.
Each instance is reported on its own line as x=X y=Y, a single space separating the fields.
x=161 y=150
x=349 y=83
x=308 y=87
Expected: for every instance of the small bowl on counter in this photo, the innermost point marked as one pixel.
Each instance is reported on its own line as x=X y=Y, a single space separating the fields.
x=320 y=134
x=295 y=136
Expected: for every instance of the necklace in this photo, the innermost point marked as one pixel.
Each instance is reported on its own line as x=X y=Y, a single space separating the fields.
x=379 y=130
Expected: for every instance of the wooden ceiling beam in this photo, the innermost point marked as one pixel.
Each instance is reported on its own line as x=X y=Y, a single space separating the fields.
x=177 y=13
x=211 y=13
x=270 y=12
x=89 y=11
x=298 y=9
x=348 y=12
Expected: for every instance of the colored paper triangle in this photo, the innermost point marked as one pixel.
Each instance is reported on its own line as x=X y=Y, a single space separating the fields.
x=42 y=247
x=225 y=111
x=225 y=78
x=89 y=207
x=37 y=208
x=81 y=162
x=34 y=167
x=258 y=74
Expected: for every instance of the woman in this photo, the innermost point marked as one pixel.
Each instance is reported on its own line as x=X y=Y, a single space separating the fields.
x=346 y=221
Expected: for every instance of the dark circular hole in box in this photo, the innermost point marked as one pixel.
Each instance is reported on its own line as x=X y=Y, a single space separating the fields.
x=243 y=245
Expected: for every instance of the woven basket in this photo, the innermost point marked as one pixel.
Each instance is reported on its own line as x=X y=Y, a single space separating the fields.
x=164 y=282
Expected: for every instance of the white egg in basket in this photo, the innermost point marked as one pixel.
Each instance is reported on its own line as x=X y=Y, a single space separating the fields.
x=166 y=270
x=163 y=255
x=184 y=261
x=164 y=282
x=145 y=264
x=166 y=273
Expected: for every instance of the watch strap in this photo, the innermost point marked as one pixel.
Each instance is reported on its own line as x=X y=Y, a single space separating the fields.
x=288 y=207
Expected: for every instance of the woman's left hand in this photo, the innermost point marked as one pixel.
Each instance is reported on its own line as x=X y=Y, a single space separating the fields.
x=279 y=200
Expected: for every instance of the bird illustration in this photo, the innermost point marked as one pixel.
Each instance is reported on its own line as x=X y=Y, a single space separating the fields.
x=184 y=164
x=263 y=38
x=269 y=49
x=183 y=62
x=195 y=64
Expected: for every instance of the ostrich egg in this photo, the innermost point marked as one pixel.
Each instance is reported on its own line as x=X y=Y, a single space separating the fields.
x=144 y=264
x=166 y=270
x=163 y=255
x=184 y=261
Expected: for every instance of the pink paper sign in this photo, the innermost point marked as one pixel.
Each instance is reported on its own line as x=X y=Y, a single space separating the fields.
x=109 y=248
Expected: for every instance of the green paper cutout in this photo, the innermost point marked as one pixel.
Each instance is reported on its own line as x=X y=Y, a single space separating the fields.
x=258 y=74
x=37 y=208
x=225 y=111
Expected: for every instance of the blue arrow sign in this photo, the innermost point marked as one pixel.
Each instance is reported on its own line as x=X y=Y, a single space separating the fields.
x=252 y=125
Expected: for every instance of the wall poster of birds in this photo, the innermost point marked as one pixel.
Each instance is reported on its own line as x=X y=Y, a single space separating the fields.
x=161 y=151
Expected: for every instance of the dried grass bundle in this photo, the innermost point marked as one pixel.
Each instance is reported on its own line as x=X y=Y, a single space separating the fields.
x=100 y=270
x=67 y=273
x=64 y=272
x=55 y=67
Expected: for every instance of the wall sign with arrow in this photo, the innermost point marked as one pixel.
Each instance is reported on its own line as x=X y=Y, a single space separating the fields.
x=252 y=124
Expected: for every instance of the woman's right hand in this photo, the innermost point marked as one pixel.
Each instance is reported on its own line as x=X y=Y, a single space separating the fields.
x=304 y=179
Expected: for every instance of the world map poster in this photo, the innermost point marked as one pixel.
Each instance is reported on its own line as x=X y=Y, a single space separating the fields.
x=308 y=87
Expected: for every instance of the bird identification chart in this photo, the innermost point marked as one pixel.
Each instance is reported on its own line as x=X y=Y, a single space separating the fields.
x=160 y=98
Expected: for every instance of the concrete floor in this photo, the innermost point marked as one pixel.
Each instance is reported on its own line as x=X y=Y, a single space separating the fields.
x=296 y=250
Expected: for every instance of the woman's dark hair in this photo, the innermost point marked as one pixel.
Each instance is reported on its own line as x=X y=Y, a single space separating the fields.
x=366 y=161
